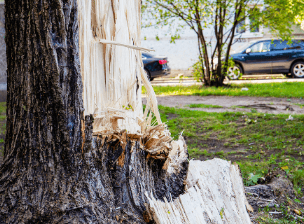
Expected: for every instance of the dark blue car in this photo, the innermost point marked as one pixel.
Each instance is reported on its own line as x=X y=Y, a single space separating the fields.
x=269 y=57
x=155 y=66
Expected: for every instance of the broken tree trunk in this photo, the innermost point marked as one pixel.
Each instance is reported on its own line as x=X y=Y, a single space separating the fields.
x=79 y=148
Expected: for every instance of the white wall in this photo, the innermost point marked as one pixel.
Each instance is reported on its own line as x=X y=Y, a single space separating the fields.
x=181 y=55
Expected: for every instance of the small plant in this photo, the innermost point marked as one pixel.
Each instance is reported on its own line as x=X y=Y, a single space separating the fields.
x=181 y=77
x=222 y=213
x=253 y=111
x=252 y=179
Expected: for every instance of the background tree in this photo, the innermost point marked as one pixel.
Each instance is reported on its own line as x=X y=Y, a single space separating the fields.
x=221 y=17
x=279 y=16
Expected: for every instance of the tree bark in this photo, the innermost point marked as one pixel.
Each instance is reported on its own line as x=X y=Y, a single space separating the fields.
x=55 y=170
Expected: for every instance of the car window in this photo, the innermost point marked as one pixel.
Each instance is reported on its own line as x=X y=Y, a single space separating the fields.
x=260 y=47
x=279 y=45
x=297 y=44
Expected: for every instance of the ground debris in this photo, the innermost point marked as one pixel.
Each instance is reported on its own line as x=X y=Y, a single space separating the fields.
x=290 y=118
x=273 y=197
x=259 y=106
x=288 y=107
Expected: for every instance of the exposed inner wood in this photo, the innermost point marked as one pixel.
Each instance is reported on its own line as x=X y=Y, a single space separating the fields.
x=111 y=66
x=214 y=194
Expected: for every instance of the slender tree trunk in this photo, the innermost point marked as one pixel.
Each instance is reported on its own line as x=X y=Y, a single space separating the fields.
x=55 y=170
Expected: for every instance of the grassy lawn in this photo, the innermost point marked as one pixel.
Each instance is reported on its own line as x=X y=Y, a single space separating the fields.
x=257 y=142
x=285 y=89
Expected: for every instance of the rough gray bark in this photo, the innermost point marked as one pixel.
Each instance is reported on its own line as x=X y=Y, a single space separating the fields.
x=54 y=169
x=2 y=46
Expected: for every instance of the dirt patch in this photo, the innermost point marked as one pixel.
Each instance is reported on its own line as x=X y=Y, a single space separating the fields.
x=171 y=116
x=214 y=148
x=271 y=105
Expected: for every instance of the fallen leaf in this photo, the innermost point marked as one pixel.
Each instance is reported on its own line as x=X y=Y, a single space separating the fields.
x=284 y=168
x=297 y=212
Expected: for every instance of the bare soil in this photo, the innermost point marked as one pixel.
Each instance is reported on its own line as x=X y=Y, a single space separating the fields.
x=269 y=105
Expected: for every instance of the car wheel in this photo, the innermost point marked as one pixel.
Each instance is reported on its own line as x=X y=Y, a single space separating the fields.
x=234 y=72
x=148 y=75
x=297 y=70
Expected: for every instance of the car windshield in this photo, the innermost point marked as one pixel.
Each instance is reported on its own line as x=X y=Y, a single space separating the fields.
x=260 y=47
x=146 y=55
x=242 y=48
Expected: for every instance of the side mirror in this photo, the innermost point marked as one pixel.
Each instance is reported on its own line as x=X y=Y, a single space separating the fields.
x=248 y=50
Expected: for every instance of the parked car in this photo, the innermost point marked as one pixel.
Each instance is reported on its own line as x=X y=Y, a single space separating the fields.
x=269 y=57
x=155 y=66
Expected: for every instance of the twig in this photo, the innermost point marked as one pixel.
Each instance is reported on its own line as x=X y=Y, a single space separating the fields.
x=103 y=41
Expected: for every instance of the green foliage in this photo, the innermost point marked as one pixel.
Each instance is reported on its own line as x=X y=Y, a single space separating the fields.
x=197 y=71
x=174 y=37
x=280 y=15
x=252 y=179
x=222 y=213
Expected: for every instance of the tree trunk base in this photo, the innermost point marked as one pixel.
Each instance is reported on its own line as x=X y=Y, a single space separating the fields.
x=117 y=181
x=107 y=184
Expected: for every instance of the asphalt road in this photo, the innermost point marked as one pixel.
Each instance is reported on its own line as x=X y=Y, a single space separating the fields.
x=245 y=79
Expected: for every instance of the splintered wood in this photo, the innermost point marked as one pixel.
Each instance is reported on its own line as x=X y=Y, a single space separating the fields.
x=214 y=194
x=157 y=141
x=111 y=66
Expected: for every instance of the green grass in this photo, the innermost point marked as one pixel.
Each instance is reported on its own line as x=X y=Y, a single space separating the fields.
x=204 y=106
x=285 y=89
x=299 y=104
x=267 y=142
